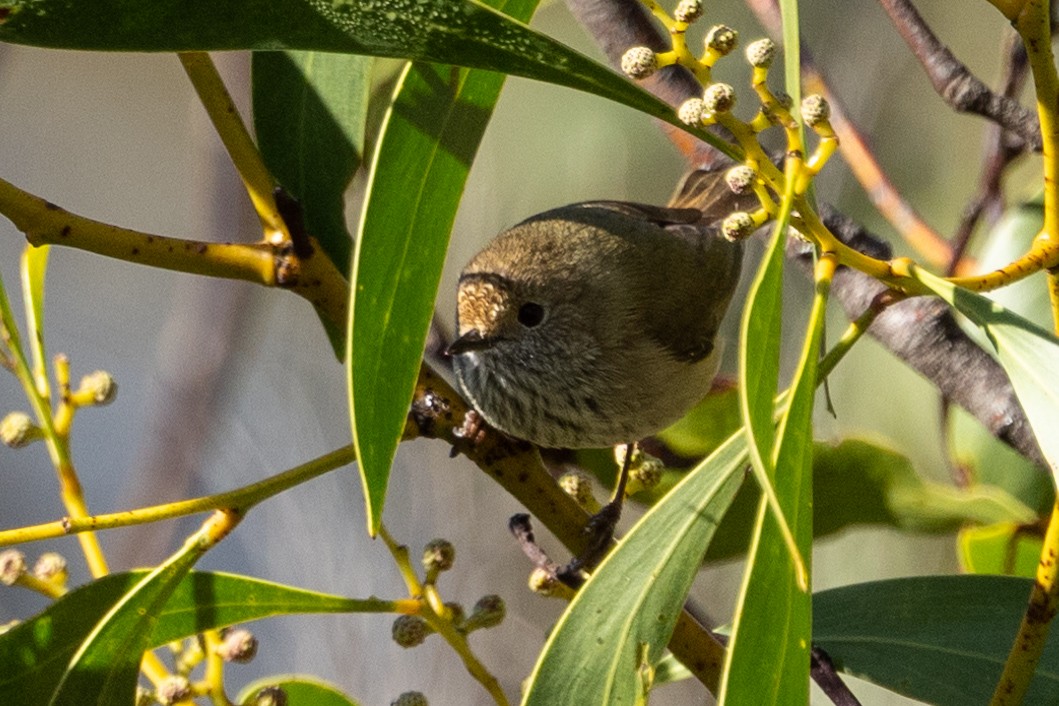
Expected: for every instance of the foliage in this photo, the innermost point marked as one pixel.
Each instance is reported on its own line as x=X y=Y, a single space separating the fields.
x=316 y=80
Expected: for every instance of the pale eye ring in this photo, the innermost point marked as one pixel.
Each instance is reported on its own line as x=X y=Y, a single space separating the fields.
x=530 y=314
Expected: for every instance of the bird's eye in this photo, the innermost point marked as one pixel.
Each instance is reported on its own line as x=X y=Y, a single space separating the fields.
x=530 y=314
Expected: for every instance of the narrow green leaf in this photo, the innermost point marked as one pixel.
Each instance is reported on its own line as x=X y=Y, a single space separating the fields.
x=309 y=113
x=34 y=267
x=35 y=653
x=628 y=608
x=773 y=616
x=300 y=689
x=105 y=668
x=939 y=639
x=431 y=134
x=461 y=32
x=1028 y=353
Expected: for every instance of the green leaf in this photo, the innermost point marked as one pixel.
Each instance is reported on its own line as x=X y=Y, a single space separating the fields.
x=459 y=32
x=1004 y=548
x=35 y=653
x=309 y=113
x=627 y=609
x=773 y=616
x=706 y=426
x=1028 y=353
x=858 y=483
x=431 y=134
x=939 y=639
x=301 y=690
x=105 y=668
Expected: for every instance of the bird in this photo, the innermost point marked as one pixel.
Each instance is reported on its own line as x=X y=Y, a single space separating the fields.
x=596 y=323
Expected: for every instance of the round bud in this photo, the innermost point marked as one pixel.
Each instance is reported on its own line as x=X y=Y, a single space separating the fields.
x=721 y=39
x=719 y=98
x=543 y=582
x=738 y=226
x=410 y=698
x=239 y=646
x=100 y=386
x=488 y=612
x=688 y=11
x=622 y=450
x=12 y=566
x=578 y=485
x=761 y=52
x=50 y=566
x=438 y=555
x=740 y=180
x=815 y=109
x=648 y=472
x=690 y=111
x=639 y=62
x=410 y=630
x=172 y=689
x=269 y=696
x=18 y=430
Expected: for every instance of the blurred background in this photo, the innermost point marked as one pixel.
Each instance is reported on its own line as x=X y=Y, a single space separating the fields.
x=222 y=384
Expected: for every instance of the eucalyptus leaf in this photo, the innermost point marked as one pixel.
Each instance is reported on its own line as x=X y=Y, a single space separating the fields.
x=623 y=616
x=431 y=134
x=35 y=653
x=459 y=32
x=309 y=113
x=940 y=639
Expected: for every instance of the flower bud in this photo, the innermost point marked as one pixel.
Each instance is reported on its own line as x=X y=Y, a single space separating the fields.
x=815 y=109
x=438 y=555
x=269 y=696
x=740 y=180
x=12 y=566
x=690 y=111
x=648 y=472
x=738 y=226
x=172 y=689
x=543 y=582
x=51 y=567
x=18 y=430
x=688 y=11
x=410 y=630
x=578 y=485
x=488 y=612
x=99 y=387
x=238 y=646
x=761 y=52
x=410 y=698
x=639 y=62
x=719 y=98
x=721 y=39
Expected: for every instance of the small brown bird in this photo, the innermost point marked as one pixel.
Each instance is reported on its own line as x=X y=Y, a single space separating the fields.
x=595 y=324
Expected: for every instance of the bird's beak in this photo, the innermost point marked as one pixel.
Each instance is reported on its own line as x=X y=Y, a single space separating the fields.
x=470 y=341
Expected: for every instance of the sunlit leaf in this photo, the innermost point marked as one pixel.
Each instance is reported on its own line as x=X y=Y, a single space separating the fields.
x=629 y=606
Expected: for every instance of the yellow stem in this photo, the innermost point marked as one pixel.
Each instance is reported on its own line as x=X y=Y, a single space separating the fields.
x=214 y=677
x=314 y=278
x=241 y=148
x=241 y=499
x=1029 y=644
x=458 y=642
x=404 y=563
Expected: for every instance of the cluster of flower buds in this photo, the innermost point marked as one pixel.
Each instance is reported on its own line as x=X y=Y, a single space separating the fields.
x=758 y=174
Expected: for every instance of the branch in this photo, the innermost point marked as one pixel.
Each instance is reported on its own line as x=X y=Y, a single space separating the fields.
x=954 y=82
